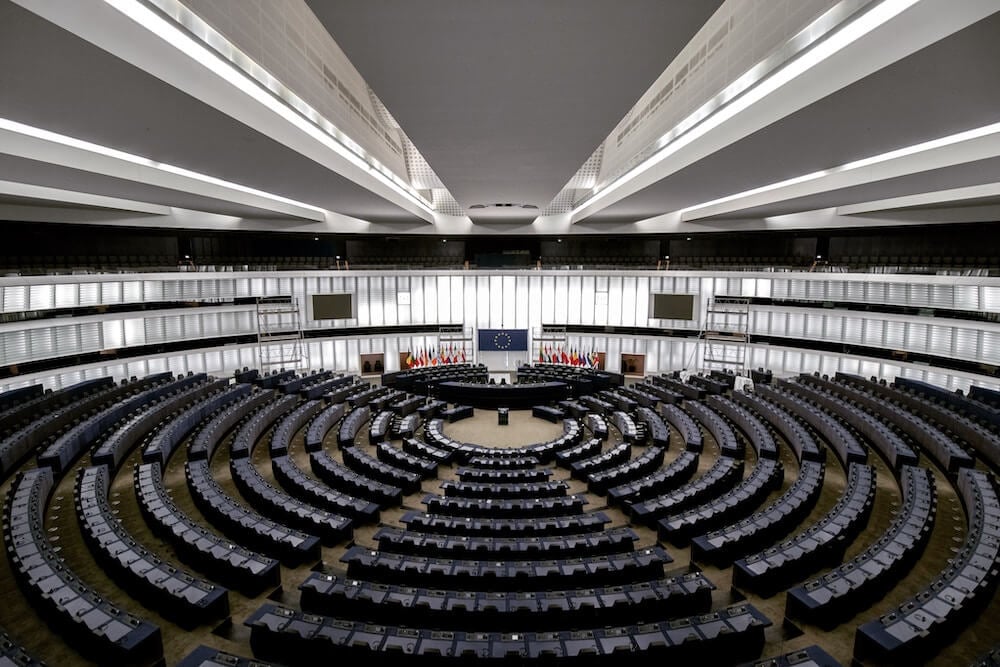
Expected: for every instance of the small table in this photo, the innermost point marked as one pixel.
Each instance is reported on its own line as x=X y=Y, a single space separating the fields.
x=503 y=416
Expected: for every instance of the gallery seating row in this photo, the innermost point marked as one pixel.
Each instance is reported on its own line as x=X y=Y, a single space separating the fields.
x=989 y=449
x=888 y=443
x=457 y=413
x=341 y=478
x=367 y=394
x=794 y=433
x=756 y=433
x=597 y=405
x=413 y=543
x=724 y=474
x=12 y=398
x=498 y=490
x=178 y=595
x=838 y=594
x=583 y=468
x=398 y=458
x=365 y=464
x=573 y=407
x=819 y=545
x=273 y=379
x=351 y=425
x=837 y=436
x=361 y=504
x=739 y=502
x=341 y=393
x=684 y=425
x=501 y=611
x=491 y=574
x=292 y=423
x=67 y=447
x=502 y=460
x=810 y=656
x=296 y=384
x=505 y=507
x=161 y=446
x=641 y=398
x=650 y=460
x=330 y=527
x=924 y=623
x=712 y=421
x=12 y=653
x=405 y=427
x=322 y=424
x=255 y=425
x=323 y=388
x=597 y=425
x=408 y=405
x=503 y=527
x=547 y=413
x=207 y=439
x=432 y=408
x=618 y=400
x=504 y=476
x=584 y=450
x=24 y=427
x=971 y=431
x=420 y=448
x=626 y=426
x=661 y=393
x=689 y=392
x=709 y=384
x=245 y=525
x=962 y=404
x=659 y=433
x=89 y=622
x=378 y=430
x=545 y=452
x=222 y=559
x=720 y=547
x=660 y=481
x=116 y=446
x=732 y=633
x=939 y=446
x=206 y=656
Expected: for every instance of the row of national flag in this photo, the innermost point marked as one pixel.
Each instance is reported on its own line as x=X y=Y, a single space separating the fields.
x=432 y=356
x=549 y=354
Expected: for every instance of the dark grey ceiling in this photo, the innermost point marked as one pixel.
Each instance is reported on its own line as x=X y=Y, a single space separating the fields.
x=506 y=99
x=52 y=79
x=950 y=86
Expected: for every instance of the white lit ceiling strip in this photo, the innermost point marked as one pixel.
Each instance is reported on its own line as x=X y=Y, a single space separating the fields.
x=938 y=198
x=42 y=145
x=711 y=115
x=59 y=196
x=214 y=52
x=972 y=145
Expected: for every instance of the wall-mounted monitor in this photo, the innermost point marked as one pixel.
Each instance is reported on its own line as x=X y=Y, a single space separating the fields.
x=672 y=306
x=333 y=306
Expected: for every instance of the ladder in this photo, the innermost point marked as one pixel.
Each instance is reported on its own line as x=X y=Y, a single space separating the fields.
x=280 y=341
x=726 y=334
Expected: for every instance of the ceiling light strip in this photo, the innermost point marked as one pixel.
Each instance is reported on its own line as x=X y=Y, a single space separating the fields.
x=47 y=136
x=748 y=90
x=697 y=210
x=212 y=50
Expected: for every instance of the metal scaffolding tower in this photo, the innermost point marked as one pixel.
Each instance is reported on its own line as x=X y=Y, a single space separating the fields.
x=726 y=334
x=280 y=341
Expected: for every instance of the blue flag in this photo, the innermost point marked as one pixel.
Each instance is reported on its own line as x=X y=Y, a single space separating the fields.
x=503 y=340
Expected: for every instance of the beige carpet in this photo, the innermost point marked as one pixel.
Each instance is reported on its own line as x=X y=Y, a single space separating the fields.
x=523 y=429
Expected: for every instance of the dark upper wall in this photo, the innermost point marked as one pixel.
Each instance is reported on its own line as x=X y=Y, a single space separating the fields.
x=34 y=244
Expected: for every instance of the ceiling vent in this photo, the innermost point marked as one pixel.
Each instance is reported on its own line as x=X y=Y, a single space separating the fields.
x=504 y=205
